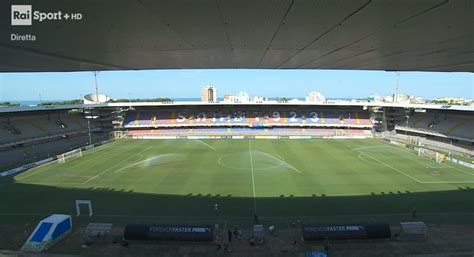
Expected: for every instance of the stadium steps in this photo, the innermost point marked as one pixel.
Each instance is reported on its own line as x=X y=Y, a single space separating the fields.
x=79 y=124
x=19 y=137
x=137 y=119
x=37 y=126
x=457 y=126
x=357 y=118
x=341 y=119
x=418 y=120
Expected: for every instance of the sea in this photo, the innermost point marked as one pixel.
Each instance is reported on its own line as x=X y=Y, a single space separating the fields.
x=182 y=99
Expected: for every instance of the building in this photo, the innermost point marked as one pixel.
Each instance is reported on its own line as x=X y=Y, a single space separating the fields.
x=209 y=94
x=244 y=97
x=259 y=99
x=403 y=98
x=451 y=100
x=228 y=98
x=374 y=98
x=315 y=97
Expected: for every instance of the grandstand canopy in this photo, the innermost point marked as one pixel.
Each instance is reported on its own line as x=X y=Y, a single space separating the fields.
x=423 y=35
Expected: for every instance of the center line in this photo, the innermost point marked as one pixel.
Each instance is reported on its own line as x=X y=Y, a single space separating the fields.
x=253 y=179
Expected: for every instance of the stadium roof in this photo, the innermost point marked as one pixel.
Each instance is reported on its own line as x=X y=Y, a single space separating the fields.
x=423 y=35
x=220 y=104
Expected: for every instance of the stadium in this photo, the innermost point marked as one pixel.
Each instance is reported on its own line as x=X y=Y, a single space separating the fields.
x=284 y=163
x=105 y=177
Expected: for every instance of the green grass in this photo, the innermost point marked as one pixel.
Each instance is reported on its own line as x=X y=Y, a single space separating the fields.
x=314 y=180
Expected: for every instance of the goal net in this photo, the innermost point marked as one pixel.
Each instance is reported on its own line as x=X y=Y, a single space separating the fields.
x=438 y=157
x=68 y=155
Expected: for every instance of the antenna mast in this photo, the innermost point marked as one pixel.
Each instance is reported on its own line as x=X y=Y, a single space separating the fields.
x=395 y=99
x=96 y=89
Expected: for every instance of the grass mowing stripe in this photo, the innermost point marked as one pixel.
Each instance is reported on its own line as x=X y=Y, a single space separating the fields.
x=334 y=182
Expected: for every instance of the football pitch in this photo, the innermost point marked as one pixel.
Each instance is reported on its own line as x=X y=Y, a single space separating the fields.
x=182 y=180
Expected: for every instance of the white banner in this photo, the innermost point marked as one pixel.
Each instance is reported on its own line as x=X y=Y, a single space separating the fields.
x=154 y=137
x=463 y=163
x=24 y=167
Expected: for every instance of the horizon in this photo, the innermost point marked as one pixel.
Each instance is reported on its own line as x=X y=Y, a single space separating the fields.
x=187 y=83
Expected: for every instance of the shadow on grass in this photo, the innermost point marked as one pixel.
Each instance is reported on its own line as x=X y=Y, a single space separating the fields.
x=24 y=203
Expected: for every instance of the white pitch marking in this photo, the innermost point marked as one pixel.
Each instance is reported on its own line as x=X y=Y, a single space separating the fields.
x=219 y=161
x=444 y=164
x=417 y=180
x=369 y=161
x=32 y=172
x=146 y=160
x=106 y=170
x=458 y=169
x=369 y=147
x=53 y=162
x=393 y=168
x=448 y=182
x=253 y=178
x=206 y=144
x=282 y=161
x=133 y=164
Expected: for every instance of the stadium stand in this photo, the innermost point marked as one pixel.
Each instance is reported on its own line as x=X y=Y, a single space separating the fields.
x=247 y=120
x=247 y=117
x=440 y=124
x=27 y=127
x=322 y=132
x=30 y=136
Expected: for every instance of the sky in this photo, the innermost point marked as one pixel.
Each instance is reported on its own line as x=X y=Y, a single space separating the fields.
x=271 y=83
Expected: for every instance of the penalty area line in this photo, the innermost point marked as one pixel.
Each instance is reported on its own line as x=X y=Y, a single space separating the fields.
x=415 y=179
x=393 y=168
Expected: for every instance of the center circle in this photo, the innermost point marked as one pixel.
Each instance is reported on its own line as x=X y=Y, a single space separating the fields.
x=258 y=161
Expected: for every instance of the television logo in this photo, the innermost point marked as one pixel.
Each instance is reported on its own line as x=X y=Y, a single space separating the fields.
x=21 y=15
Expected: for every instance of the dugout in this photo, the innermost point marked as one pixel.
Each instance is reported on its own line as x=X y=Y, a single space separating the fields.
x=48 y=232
x=413 y=230
x=346 y=231
x=168 y=232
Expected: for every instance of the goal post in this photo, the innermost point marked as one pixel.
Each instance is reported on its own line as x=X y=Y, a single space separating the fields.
x=76 y=153
x=88 y=203
x=438 y=157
